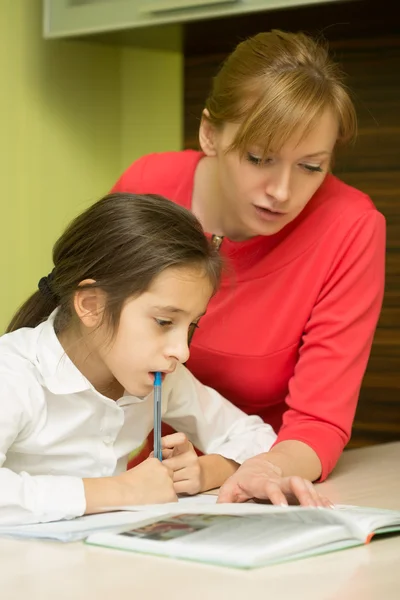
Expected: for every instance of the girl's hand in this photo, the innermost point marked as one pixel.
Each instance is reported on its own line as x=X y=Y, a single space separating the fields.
x=257 y=478
x=148 y=483
x=180 y=457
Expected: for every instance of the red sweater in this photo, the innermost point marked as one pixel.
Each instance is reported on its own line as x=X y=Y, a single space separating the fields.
x=289 y=333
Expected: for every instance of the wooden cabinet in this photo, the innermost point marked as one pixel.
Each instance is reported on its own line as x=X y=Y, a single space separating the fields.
x=68 y=18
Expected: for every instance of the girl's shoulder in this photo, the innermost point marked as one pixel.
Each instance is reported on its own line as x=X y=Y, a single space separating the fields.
x=18 y=371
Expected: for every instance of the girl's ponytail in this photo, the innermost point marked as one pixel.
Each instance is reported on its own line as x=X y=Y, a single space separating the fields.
x=37 y=308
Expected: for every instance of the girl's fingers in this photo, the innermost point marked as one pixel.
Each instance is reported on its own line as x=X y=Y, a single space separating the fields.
x=185 y=487
x=167 y=453
x=181 y=461
x=173 y=440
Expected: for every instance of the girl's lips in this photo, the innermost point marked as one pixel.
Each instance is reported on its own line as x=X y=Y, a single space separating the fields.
x=153 y=375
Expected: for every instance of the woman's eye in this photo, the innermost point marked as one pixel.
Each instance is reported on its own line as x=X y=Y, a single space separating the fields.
x=257 y=160
x=254 y=160
x=312 y=168
x=163 y=323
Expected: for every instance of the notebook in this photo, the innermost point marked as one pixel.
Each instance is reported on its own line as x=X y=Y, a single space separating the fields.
x=249 y=535
x=79 y=528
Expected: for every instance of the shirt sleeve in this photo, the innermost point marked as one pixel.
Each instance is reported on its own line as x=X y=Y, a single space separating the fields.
x=131 y=180
x=213 y=425
x=333 y=357
x=25 y=498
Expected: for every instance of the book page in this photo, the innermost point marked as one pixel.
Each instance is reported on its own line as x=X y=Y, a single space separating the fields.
x=364 y=521
x=236 y=540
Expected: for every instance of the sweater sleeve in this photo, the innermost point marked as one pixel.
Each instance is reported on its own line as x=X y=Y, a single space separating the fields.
x=25 y=498
x=336 y=344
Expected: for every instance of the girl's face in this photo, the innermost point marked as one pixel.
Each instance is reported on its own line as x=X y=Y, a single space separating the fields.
x=260 y=197
x=153 y=331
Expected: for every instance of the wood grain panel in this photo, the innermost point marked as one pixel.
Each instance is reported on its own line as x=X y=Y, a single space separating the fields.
x=364 y=37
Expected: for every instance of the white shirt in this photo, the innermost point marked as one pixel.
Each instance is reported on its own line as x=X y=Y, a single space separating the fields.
x=56 y=429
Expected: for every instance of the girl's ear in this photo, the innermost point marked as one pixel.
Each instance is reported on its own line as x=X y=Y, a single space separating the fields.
x=89 y=304
x=207 y=135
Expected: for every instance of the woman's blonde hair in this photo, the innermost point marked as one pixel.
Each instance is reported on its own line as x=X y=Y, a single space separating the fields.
x=275 y=85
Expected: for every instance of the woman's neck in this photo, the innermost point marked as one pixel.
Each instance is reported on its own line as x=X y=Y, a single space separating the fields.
x=209 y=204
x=206 y=197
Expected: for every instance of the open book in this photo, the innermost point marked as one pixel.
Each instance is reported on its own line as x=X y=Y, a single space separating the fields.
x=249 y=535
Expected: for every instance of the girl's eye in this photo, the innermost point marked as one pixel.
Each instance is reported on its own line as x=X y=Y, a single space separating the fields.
x=163 y=323
x=192 y=329
x=312 y=168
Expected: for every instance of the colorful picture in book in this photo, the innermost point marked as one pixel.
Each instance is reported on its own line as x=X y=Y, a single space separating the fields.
x=177 y=526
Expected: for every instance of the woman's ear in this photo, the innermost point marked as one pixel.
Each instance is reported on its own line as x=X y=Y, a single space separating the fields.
x=89 y=304
x=207 y=135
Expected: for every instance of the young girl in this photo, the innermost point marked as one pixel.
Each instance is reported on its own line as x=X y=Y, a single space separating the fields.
x=291 y=340
x=132 y=277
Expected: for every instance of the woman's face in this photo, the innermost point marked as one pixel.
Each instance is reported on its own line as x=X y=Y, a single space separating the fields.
x=260 y=197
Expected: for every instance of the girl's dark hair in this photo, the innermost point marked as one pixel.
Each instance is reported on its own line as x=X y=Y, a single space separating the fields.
x=122 y=242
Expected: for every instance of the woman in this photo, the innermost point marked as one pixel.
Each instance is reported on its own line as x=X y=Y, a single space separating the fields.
x=289 y=334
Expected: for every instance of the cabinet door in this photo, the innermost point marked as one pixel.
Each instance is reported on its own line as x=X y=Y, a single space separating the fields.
x=65 y=18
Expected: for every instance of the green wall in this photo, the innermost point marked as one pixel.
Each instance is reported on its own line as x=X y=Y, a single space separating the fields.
x=73 y=115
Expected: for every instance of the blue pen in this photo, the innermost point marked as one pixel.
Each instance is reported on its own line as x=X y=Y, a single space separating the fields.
x=157 y=416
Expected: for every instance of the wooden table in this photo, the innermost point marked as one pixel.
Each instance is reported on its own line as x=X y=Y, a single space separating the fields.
x=370 y=476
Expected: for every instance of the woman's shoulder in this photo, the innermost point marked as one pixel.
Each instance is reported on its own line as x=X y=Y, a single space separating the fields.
x=340 y=198
x=160 y=172
x=336 y=209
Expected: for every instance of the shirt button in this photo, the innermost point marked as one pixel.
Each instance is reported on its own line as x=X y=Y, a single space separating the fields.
x=108 y=440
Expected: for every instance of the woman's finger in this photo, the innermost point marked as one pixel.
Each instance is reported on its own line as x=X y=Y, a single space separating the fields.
x=301 y=490
x=273 y=493
x=314 y=493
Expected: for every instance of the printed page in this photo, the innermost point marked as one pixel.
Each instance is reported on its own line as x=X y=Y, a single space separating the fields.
x=235 y=540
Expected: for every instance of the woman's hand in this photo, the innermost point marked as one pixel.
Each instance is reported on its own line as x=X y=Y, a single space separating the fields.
x=260 y=479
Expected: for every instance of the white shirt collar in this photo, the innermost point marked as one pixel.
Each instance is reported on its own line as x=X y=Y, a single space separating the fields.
x=59 y=373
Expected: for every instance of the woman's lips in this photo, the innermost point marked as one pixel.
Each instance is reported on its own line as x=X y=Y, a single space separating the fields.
x=268 y=214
